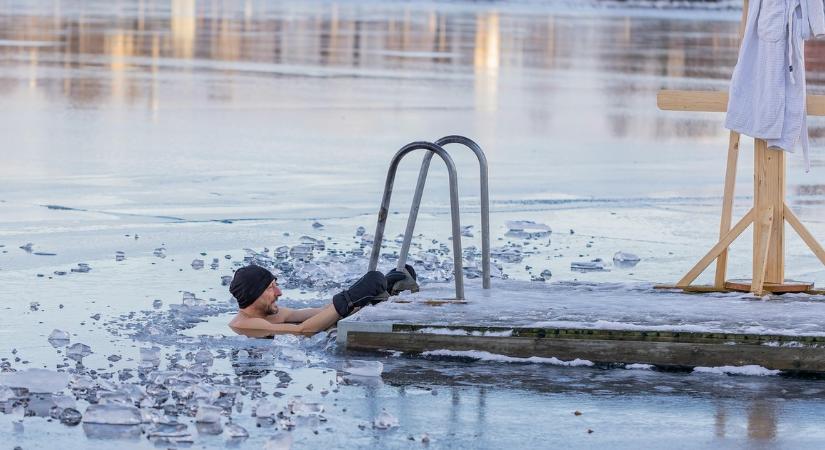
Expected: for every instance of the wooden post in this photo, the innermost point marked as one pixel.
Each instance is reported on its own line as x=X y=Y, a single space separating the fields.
x=769 y=193
x=727 y=207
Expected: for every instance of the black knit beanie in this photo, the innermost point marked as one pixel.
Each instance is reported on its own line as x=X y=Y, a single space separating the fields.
x=249 y=283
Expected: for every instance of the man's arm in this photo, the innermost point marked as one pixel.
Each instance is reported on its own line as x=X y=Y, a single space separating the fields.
x=256 y=327
x=299 y=315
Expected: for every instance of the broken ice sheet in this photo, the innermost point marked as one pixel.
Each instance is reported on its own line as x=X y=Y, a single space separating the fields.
x=197 y=264
x=36 y=380
x=527 y=229
x=363 y=368
x=623 y=259
x=112 y=414
x=235 y=431
x=595 y=265
x=59 y=338
x=385 y=420
x=78 y=351
x=298 y=407
x=208 y=414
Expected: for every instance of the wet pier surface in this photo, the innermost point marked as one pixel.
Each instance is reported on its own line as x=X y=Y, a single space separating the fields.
x=150 y=148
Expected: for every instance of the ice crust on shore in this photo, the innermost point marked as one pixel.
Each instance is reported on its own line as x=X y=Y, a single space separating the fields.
x=751 y=370
x=487 y=356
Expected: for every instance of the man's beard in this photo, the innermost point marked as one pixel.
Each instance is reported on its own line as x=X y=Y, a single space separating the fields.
x=273 y=309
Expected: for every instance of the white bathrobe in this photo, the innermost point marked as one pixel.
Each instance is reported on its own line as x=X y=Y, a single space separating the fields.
x=767 y=90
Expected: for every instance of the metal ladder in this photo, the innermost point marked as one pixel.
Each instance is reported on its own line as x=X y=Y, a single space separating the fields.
x=438 y=149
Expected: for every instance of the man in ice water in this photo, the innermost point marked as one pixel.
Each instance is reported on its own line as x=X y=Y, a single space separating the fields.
x=257 y=291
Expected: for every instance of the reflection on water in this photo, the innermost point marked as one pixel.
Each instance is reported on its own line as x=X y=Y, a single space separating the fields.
x=95 y=56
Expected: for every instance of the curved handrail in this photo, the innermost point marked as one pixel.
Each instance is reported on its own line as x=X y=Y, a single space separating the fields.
x=485 y=203
x=456 y=225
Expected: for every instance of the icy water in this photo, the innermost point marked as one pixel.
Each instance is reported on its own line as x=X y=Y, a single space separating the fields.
x=141 y=136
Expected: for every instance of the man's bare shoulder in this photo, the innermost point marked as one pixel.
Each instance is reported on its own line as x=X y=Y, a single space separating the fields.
x=259 y=327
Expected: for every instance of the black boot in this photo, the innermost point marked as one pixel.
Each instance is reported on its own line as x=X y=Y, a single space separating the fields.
x=398 y=280
x=368 y=290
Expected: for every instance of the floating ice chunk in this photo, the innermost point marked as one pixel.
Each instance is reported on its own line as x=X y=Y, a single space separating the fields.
x=265 y=409
x=197 y=264
x=82 y=268
x=298 y=407
x=120 y=256
x=385 y=420
x=6 y=394
x=587 y=266
x=157 y=303
x=169 y=431
x=70 y=417
x=546 y=274
x=160 y=252
x=301 y=252
x=189 y=300
x=208 y=414
x=215 y=264
x=59 y=336
x=527 y=225
x=27 y=248
x=36 y=380
x=34 y=306
x=281 y=252
x=467 y=230
x=527 y=229
x=363 y=368
x=233 y=430
x=508 y=253
x=112 y=414
x=622 y=259
x=637 y=366
x=360 y=231
x=204 y=356
x=317 y=225
x=280 y=441
x=292 y=355
x=149 y=357
x=226 y=280
x=78 y=351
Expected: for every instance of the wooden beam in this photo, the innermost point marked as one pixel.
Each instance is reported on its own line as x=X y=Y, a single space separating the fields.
x=675 y=349
x=761 y=243
x=806 y=235
x=717 y=101
x=727 y=207
x=723 y=243
x=769 y=191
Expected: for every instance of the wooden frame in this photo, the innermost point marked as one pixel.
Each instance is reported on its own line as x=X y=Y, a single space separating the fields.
x=769 y=211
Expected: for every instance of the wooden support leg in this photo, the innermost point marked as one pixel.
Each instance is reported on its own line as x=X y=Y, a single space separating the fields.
x=806 y=235
x=727 y=207
x=723 y=244
x=769 y=192
x=760 y=250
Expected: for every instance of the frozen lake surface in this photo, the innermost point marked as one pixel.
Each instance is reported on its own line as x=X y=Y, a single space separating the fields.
x=152 y=147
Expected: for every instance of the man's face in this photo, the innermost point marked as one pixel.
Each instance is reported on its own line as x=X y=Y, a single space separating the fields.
x=269 y=297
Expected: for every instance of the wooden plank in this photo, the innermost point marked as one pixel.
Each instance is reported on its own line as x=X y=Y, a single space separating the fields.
x=603 y=351
x=806 y=235
x=762 y=229
x=621 y=335
x=717 y=249
x=727 y=206
x=769 y=192
x=692 y=289
x=717 y=101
